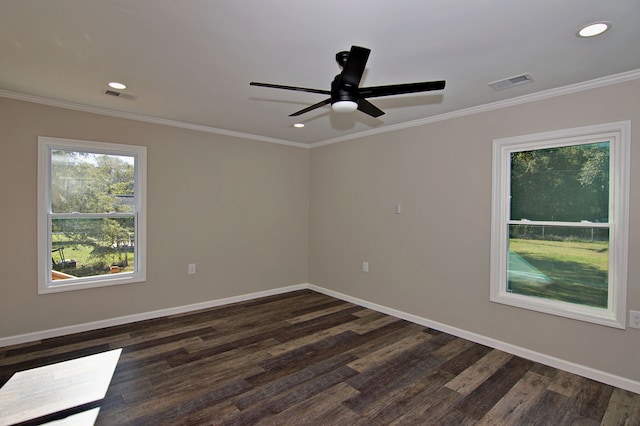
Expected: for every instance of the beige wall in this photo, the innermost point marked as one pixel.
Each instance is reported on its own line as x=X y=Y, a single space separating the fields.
x=433 y=259
x=251 y=214
x=236 y=208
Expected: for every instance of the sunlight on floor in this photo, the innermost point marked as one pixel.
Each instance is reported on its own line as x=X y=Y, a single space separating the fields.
x=42 y=391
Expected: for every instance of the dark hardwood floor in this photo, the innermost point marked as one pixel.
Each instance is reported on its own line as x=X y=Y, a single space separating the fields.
x=303 y=358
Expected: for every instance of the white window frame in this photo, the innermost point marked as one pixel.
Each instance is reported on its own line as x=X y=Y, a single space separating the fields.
x=45 y=146
x=618 y=134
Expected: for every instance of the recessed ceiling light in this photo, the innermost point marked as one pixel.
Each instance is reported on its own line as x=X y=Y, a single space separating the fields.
x=118 y=86
x=299 y=125
x=593 y=29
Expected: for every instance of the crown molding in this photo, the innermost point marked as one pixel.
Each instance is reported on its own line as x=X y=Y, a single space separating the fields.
x=144 y=118
x=545 y=94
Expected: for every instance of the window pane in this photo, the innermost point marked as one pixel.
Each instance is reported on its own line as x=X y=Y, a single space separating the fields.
x=86 y=182
x=568 y=184
x=568 y=264
x=89 y=247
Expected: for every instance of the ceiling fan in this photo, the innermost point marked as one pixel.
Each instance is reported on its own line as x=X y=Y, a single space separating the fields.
x=346 y=96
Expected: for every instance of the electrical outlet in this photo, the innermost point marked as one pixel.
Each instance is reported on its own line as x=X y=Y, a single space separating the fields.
x=365 y=266
x=634 y=319
x=192 y=269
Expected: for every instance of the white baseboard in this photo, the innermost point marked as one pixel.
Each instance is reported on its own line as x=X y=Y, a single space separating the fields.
x=581 y=370
x=95 y=325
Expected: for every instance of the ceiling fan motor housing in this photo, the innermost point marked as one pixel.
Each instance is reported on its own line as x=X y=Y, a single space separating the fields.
x=341 y=91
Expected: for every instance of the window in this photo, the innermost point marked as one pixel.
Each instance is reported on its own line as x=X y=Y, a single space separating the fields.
x=559 y=222
x=91 y=214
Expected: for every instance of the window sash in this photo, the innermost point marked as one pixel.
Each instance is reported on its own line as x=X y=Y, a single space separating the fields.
x=617 y=134
x=584 y=224
x=78 y=280
x=46 y=146
x=74 y=215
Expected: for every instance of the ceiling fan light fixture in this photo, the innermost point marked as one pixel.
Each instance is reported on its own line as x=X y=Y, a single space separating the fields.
x=593 y=29
x=344 y=106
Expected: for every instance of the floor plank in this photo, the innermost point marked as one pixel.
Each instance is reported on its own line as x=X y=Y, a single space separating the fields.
x=304 y=358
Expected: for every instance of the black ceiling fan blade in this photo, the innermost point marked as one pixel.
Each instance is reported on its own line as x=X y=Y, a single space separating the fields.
x=355 y=65
x=399 y=89
x=311 y=108
x=369 y=108
x=298 y=89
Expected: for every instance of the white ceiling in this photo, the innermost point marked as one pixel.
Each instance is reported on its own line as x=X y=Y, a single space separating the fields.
x=191 y=61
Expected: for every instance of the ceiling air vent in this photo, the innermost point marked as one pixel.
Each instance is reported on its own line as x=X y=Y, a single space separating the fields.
x=120 y=95
x=511 y=82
